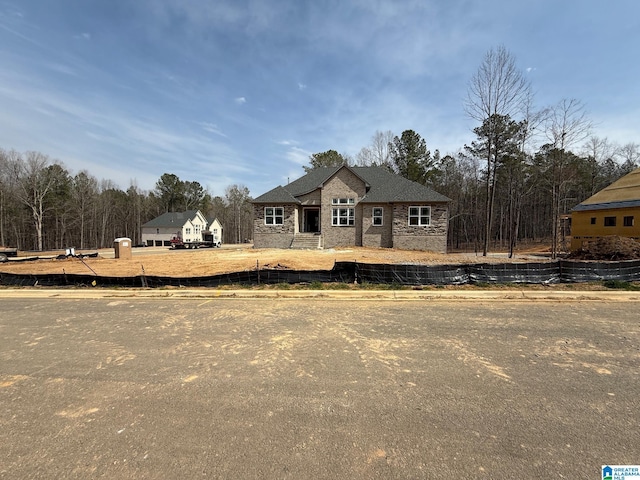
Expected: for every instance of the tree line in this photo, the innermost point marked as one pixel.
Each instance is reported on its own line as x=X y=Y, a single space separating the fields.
x=525 y=169
x=44 y=207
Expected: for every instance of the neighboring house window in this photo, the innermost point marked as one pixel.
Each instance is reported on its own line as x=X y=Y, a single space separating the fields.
x=593 y=220
x=274 y=215
x=343 y=217
x=420 y=216
x=157 y=230
x=609 y=221
x=215 y=231
x=376 y=215
x=187 y=231
x=628 y=221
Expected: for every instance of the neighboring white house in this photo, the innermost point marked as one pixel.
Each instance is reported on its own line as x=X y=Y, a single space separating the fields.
x=187 y=225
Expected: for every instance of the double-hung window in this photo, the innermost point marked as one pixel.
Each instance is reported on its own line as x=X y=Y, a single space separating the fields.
x=420 y=216
x=376 y=216
x=343 y=212
x=273 y=215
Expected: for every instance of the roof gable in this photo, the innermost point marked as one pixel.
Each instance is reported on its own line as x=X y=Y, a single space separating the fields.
x=174 y=219
x=624 y=192
x=382 y=186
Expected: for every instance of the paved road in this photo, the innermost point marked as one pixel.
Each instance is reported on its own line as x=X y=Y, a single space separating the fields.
x=316 y=388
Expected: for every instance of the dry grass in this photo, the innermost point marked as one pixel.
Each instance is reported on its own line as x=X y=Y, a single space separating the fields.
x=231 y=258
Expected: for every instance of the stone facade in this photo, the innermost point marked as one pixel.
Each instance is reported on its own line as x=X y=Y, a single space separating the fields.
x=342 y=185
x=432 y=237
x=377 y=235
x=274 y=236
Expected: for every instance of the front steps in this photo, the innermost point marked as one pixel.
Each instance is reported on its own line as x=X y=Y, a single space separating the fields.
x=306 y=241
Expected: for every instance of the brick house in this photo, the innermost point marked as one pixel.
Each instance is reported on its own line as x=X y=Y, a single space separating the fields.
x=351 y=206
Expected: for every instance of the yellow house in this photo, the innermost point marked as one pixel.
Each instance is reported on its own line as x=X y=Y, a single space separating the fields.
x=611 y=211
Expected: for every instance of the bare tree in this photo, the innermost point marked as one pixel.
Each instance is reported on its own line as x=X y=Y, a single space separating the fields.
x=238 y=198
x=497 y=90
x=378 y=153
x=34 y=185
x=629 y=155
x=567 y=124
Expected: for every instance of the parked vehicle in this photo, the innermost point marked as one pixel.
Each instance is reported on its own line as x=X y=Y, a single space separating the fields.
x=6 y=252
x=209 y=240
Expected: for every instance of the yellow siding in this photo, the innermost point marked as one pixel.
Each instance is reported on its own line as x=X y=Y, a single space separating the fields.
x=583 y=231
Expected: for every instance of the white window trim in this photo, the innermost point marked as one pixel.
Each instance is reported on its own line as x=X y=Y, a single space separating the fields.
x=420 y=216
x=274 y=216
x=350 y=217
x=374 y=216
x=343 y=201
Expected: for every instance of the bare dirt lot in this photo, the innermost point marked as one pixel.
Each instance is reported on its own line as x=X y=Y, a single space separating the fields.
x=313 y=389
x=233 y=258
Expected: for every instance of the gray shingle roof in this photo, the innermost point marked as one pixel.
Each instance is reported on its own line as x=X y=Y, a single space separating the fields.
x=606 y=205
x=171 y=219
x=383 y=187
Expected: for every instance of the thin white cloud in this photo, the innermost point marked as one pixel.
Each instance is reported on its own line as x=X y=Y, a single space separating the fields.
x=301 y=86
x=298 y=155
x=212 y=128
x=240 y=100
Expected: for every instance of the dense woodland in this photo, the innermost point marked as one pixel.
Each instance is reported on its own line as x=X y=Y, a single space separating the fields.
x=525 y=169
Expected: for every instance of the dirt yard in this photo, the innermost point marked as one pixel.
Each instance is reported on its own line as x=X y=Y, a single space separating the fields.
x=161 y=261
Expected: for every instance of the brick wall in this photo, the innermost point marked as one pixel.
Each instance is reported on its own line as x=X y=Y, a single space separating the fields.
x=273 y=236
x=377 y=235
x=343 y=184
x=432 y=237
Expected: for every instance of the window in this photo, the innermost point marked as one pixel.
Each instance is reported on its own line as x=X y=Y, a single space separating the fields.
x=187 y=231
x=343 y=217
x=343 y=201
x=274 y=215
x=609 y=221
x=420 y=216
x=628 y=221
x=593 y=220
x=376 y=215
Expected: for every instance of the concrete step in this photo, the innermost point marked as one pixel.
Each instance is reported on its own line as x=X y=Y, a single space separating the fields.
x=306 y=241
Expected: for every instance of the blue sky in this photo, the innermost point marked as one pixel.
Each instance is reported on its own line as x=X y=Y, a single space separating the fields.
x=243 y=91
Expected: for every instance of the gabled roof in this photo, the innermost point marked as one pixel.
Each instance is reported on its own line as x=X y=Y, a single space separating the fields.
x=387 y=187
x=277 y=195
x=382 y=187
x=172 y=219
x=623 y=193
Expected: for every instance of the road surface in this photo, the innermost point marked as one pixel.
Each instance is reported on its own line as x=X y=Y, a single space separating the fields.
x=317 y=388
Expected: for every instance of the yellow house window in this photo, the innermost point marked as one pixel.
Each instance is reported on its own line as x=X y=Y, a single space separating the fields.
x=628 y=221
x=593 y=220
x=609 y=221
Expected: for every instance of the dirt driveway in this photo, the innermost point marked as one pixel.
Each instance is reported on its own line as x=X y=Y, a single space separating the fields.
x=318 y=389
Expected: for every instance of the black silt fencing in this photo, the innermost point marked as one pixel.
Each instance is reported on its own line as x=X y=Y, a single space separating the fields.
x=561 y=271
x=411 y=274
x=576 y=271
x=539 y=273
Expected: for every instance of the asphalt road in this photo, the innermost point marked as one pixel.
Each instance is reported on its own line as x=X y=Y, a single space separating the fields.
x=317 y=388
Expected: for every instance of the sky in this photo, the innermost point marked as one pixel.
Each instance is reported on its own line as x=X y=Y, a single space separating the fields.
x=242 y=92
